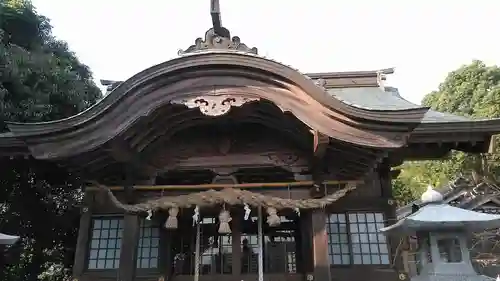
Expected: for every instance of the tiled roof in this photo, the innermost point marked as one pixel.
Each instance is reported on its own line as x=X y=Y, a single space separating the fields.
x=388 y=99
x=373 y=98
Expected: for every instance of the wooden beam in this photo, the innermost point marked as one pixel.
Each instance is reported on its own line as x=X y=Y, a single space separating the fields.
x=317 y=165
x=320 y=143
x=221 y=186
x=123 y=153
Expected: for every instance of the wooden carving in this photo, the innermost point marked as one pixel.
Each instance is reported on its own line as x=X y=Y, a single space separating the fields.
x=213 y=41
x=283 y=159
x=381 y=77
x=320 y=82
x=215 y=105
x=320 y=142
x=217 y=37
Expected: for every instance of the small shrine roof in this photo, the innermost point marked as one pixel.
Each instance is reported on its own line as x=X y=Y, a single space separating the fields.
x=442 y=217
x=8 y=239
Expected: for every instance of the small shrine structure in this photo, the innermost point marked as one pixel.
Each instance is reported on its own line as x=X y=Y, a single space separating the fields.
x=442 y=233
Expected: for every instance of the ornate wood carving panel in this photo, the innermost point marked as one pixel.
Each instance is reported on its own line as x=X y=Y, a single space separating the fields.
x=215 y=105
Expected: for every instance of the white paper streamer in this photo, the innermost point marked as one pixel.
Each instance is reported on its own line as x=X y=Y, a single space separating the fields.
x=247 y=211
x=150 y=214
x=196 y=215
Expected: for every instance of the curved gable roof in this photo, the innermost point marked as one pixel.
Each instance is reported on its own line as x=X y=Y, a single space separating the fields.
x=232 y=73
x=222 y=65
x=227 y=59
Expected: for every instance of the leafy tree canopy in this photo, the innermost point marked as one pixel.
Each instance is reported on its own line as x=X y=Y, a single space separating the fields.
x=40 y=80
x=473 y=91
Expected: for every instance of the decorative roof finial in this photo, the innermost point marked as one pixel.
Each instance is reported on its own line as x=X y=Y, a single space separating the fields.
x=431 y=196
x=217 y=37
x=215 y=13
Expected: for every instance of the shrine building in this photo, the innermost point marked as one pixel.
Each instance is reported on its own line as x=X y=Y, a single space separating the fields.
x=221 y=164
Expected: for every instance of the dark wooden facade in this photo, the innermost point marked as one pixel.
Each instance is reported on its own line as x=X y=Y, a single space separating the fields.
x=221 y=114
x=310 y=247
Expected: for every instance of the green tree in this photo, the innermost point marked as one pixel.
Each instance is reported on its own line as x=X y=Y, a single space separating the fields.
x=473 y=91
x=40 y=80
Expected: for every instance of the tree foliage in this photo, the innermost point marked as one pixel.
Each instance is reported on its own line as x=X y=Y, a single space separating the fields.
x=473 y=91
x=40 y=80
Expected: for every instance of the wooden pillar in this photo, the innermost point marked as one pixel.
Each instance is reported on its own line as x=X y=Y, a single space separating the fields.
x=321 y=264
x=82 y=243
x=128 y=254
x=236 y=244
x=306 y=235
x=166 y=254
x=385 y=176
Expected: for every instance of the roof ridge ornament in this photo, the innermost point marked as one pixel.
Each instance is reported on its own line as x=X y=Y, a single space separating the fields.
x=431 y=196
x=217 y=37
x=381 y=79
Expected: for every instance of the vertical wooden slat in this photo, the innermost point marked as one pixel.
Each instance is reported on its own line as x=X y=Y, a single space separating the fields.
x=81 y=252
x=128 y=254
x=320 y=246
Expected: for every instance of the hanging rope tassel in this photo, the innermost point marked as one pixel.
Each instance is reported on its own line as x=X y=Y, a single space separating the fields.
x=272 y=217
x=172 y=222
x=224 y=219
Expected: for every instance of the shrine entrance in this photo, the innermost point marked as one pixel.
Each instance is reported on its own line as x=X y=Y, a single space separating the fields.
x=251 y=247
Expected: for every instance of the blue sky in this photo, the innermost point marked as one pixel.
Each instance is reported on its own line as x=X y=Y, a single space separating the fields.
x=422 y=39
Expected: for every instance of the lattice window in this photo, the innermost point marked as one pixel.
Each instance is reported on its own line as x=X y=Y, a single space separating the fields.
x=339 y=251
x=369 y=246
x=356 y=239
x=249 y=252
x=105 y=243
x=149 y=245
